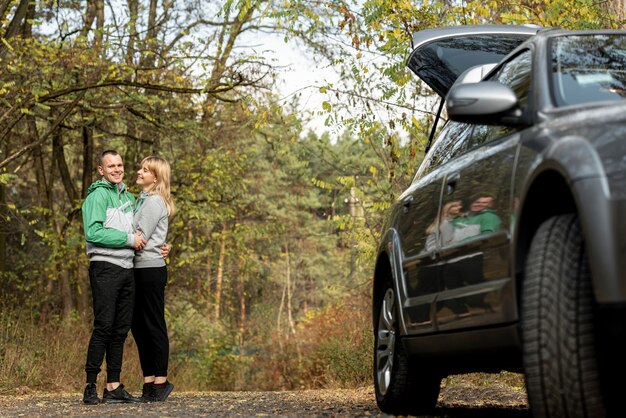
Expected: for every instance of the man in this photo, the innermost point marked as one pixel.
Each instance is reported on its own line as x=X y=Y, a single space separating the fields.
x=111 y=244
x=480 y=219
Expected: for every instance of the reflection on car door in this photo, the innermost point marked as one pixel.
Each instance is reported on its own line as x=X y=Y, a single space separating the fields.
x=476 y=275
x=475 y=269
x=419 y=233
x=419 y=264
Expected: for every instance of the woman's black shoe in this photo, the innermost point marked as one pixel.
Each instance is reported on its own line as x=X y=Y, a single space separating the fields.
x=118 y=395
x=162 y=390
x=90 y=397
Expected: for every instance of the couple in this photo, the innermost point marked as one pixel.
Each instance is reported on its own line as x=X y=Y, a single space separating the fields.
x=128 y=275
x=455 y=226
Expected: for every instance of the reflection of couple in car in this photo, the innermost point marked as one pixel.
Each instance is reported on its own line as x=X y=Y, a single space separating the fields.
x=455 y=226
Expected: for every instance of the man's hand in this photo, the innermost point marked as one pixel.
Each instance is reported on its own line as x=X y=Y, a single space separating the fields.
x=139 y=241
x=165 y=250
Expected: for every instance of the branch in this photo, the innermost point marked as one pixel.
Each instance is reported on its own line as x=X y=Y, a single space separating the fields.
x=371 y=99
x=125 y=135
x=221 y=88
x=41 y=140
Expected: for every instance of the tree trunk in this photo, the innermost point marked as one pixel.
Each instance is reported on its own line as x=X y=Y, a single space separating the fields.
x=149 y=56
x=90 y=16
x=3 y=229
x=219 y=278
x=4 y=8
x=618 y=7
x=226 y=42
x=281 y=306
x=82 y=288
x=88 y=159
x=15 y=24
x=133 y=10
x=66 y=292
x=204 y=286
x=43 y=189
x=241 y=289
x=27 y=26
x=289 y=288
x=64 y=173
x=99 y=23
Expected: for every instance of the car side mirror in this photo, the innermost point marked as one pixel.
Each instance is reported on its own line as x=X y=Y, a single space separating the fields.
x=487 y=102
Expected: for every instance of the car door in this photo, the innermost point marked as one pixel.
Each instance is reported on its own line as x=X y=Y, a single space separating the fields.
x=420 y=237
x=476 y=275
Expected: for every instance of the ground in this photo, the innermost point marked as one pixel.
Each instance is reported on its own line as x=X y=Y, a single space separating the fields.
x=456 y=400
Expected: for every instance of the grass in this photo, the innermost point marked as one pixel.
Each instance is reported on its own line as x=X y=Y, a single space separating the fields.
x=332 y=349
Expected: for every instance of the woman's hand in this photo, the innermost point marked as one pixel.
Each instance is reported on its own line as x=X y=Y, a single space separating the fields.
x=165 y=250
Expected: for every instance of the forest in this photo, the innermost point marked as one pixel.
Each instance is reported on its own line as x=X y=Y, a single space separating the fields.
x=276 y=227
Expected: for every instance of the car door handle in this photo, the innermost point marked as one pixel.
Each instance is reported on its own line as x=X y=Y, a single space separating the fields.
x=406 y=203
x=451 y=182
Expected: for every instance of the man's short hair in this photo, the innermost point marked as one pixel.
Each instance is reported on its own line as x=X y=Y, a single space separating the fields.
x=105 y=153
x=483 y=193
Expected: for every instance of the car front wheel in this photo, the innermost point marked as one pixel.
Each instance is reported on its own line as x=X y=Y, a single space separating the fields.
x=402 y=387
x=559 y=342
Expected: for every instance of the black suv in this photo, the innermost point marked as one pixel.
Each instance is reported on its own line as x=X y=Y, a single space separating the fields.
x=508 y=249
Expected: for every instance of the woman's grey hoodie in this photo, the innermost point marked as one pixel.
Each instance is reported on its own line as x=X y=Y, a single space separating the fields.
x=151 y=219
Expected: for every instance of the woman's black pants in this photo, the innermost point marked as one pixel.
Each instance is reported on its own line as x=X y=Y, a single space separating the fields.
x=148 y=327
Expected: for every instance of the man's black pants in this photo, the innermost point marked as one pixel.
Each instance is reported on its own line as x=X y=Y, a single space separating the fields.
x=149 y=328
x=113 y=292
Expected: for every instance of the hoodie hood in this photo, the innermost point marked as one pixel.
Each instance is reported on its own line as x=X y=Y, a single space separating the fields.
x=120 y=188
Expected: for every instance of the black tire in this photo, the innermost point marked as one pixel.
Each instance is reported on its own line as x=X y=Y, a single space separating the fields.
x=402 y=387
x=558 y=311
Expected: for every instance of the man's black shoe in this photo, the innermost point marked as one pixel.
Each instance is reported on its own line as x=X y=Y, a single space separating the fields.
x=148 y=393
x=163 y=390
x=90 y=397
x=118 y=395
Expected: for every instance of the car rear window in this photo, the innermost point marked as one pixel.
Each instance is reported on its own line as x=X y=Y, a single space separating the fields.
x=441 y=61
x=588 y=68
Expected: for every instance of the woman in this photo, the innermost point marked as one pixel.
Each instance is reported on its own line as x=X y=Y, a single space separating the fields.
x=152 y=213
x=449 y=212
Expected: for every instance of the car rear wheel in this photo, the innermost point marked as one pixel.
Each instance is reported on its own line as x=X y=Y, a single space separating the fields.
x=559 y=344
x=402 y=387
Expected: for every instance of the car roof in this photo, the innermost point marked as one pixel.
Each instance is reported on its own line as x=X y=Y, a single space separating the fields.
x=428 y=35
x=440 y=55
x=556 y=32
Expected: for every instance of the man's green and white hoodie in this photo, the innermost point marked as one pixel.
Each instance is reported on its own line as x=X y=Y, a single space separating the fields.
x=108 y=223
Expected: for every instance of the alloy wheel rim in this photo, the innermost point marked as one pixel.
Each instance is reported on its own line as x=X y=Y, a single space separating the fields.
x=385 y=342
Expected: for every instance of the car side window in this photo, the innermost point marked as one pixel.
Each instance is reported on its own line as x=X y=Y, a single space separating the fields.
x=451 y=142
x=517 y=75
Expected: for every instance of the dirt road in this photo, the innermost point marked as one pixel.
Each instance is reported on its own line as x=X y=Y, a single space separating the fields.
x=454 y=402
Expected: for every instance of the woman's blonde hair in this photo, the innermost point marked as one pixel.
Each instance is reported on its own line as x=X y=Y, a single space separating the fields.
x=444 y=215
x=162 y=172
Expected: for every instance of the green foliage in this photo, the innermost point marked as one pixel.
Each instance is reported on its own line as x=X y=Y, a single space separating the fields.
x=577 y=14
x=203 y=353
